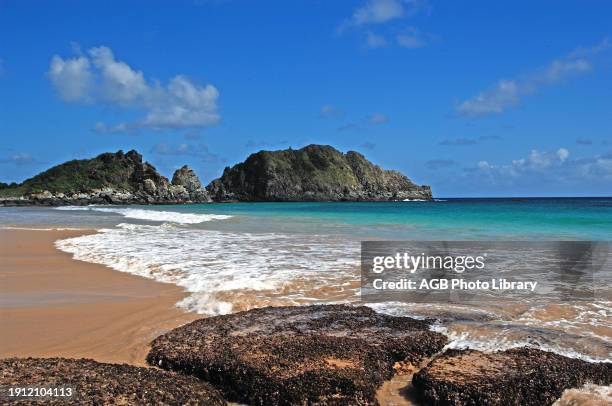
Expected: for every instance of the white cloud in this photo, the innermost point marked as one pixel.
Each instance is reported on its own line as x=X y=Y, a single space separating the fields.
x=184 y=105
x=544 y=167
x=508 y=93
x=72 y=78
x=120 y=83
x=375 y=41
x=383 y=11
x=378 y=11
x=496 y=100
x=99 y=78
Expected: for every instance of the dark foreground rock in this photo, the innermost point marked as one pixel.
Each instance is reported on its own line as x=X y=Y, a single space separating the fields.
x=323 y=355
x=109 y=178
x=522 y=376
x=97 y=383
x=313 y=173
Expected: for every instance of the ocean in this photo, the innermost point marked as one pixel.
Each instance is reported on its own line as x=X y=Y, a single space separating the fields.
x=235 y=256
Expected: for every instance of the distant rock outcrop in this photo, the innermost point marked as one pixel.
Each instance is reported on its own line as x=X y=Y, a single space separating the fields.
x=305 y=355
x=313 y=173
x=110 y=178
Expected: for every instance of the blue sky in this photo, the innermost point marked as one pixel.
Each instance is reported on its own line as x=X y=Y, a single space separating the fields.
x=476 y=98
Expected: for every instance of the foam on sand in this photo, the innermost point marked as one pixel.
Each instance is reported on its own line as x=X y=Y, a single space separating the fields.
x=224 y=268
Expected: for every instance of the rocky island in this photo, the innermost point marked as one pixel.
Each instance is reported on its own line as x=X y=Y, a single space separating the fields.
x=109 y=178
x=312 y=173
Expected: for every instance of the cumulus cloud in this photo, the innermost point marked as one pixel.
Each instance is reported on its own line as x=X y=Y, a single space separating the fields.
x=98 y=77
x=562 y=154
x=380 y=12
x=508 y=93
x=546 y=166
x=72 y=78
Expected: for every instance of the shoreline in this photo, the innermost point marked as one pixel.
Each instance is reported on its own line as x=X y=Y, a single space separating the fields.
x=55 y=306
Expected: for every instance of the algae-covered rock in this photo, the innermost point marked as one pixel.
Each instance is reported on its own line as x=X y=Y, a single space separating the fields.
x=521 y=376
x=96 y=383
x=324 y=355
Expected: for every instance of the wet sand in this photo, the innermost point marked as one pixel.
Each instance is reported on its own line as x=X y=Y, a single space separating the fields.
x=52 y=305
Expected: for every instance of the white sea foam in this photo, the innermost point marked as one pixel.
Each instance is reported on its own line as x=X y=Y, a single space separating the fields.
x=42 y=228
x=500 y=342
x=153 y=215
x=516 y=332
x=207 y=263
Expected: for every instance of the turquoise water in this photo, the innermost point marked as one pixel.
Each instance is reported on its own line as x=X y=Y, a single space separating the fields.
x=456 y=219
x=445 y=219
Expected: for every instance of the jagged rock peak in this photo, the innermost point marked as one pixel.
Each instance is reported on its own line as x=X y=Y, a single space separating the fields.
x=185 y=176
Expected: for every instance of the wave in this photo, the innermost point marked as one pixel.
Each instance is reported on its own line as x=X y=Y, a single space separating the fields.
x=222 y=270
x=152 y=215
x=501 y=343
x=496 y=329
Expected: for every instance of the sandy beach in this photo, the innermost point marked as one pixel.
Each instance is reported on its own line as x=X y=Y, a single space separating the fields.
x=52 y=305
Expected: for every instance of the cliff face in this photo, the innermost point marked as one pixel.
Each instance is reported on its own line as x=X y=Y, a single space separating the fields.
x=313 y=173
x=110 y=178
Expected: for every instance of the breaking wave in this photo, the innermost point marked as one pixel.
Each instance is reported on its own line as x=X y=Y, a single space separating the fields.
x=152 y=215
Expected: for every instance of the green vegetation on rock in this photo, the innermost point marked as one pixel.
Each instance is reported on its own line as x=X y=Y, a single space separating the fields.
x=315 y=172
x=120 y=178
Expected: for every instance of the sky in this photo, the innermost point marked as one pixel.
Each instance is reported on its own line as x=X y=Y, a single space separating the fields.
x=475 y=98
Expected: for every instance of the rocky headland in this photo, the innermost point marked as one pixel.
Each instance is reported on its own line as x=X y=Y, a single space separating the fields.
x=313 y=173
x=109 y=178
